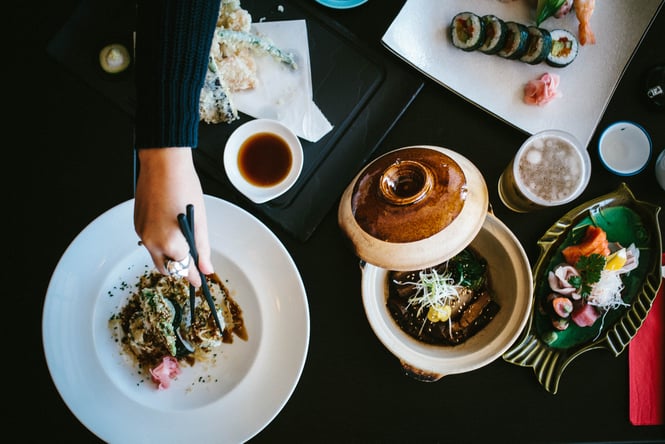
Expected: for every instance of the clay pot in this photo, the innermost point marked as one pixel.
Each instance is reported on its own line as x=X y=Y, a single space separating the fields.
x=417 y=207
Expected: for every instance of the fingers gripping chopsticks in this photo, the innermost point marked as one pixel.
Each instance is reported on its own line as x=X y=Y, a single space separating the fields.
x=186 y=223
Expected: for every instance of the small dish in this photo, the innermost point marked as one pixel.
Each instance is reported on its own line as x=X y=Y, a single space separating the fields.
x=625 y=220
x=263 y=159
x=114 y=58
x=624 y=148
x=341 y=4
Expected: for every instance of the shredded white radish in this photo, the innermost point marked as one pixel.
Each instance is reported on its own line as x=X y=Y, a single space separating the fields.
x=606 y=293
x=434 y=289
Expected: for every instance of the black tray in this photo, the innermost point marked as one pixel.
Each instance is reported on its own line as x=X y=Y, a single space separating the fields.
x=362 y=92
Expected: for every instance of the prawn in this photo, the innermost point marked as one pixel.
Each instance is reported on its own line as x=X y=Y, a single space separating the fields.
x=583 y=11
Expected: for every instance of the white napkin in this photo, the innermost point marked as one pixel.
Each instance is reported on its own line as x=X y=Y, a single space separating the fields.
x=282 y=93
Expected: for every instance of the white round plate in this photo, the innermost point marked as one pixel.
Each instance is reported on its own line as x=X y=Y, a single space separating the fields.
x=341 y=4
x=229 y=399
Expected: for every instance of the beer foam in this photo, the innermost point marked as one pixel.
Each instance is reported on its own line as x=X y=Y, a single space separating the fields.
x=551 y=168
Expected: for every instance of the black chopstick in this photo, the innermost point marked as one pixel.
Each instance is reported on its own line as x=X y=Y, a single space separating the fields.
x=192 y=289
x=185 y=222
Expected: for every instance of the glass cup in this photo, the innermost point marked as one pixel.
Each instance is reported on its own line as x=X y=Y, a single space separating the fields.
x=551 y=168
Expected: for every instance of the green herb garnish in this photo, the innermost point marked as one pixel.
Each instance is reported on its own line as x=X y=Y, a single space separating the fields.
x=589 y=268
x=471 y=270
x=546 y=9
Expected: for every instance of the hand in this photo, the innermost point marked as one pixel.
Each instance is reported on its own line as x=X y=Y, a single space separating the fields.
x=167 y=183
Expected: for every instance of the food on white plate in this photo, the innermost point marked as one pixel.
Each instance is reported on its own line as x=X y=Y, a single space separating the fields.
x=114 y=58
x=564 y=48
x=467 y=31
x=583 y=11
x=512 y=40
x=538 y=46
x=564 y=9
x=495 y=34
x=559 y=8
x=445 y=304
x=588 y=284
x=516 y=41
x=231 y=65
x=157 y=332
x=542 y=90
x=551 y=8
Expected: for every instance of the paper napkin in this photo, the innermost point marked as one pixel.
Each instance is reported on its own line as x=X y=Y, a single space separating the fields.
x=282 y=93
x=645 y=367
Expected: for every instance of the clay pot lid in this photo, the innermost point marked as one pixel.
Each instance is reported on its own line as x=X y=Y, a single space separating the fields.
x=413 y=207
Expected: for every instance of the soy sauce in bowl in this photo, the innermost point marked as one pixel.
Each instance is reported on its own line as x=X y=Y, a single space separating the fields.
x=265 y=159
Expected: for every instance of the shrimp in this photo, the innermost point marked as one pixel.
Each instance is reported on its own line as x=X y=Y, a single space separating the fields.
x=583 y=11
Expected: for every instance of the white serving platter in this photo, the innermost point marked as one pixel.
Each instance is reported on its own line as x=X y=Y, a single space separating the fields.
x=420 y=35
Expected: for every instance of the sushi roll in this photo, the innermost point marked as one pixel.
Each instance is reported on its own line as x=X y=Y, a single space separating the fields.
x=467 y=31
x=538 y=45
x=517 y=37
x=564 y=48
x=495 y=34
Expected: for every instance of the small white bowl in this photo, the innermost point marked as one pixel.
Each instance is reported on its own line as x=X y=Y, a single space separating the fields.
x=263 y=159
x=624 y=148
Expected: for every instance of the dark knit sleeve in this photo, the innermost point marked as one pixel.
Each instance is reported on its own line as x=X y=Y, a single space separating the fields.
x=173 y=39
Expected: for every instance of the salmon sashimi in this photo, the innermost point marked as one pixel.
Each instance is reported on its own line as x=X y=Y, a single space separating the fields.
x=594 y=242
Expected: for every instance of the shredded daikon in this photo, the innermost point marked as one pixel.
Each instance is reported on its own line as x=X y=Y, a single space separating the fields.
x=606 y=293
x=434 y=289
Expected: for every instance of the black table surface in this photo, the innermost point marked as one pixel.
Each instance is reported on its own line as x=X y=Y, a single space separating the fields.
x=75 y=150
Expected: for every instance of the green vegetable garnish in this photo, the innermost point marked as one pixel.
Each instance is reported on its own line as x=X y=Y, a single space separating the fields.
x=589 y=268
x=472 y=270
x=546 y=9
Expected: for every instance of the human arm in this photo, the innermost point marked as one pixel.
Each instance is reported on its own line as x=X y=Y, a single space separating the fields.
x=166 y=185
x=173 y=41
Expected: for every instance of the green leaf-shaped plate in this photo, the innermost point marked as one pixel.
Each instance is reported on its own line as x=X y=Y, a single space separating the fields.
x=626 y=220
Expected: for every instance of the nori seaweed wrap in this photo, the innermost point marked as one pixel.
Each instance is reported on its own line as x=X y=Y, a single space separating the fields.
x=517 y=37
x=495 y=34
x=467 y=31
x=564 y=48
x=538 y=45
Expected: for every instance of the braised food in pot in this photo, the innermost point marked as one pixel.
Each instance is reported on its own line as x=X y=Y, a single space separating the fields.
x=445 y=304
